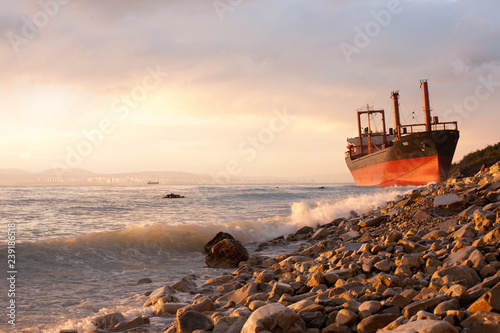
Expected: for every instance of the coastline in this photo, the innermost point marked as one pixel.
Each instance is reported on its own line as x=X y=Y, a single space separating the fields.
x=428 y=261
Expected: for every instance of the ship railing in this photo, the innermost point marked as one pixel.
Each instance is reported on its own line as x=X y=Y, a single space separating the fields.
x=416 y=128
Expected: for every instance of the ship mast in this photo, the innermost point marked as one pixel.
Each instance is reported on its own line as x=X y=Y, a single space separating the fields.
x=427 y=108
x=369 y=130
x=397 y=129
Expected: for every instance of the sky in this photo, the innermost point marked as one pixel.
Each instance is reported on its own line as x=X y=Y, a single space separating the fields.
x=250 y=88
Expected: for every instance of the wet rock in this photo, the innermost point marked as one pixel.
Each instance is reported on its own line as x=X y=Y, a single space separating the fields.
x=186 y=284
x=274 y=317
x=161 y=295
x=219 y=237
x=132 y=323
x=191 y=321
x=304 y=231
x=321 y=233
x=108 y=320
x=200 y=305
x=225 y=254
x=168 y=308
x=144 y=280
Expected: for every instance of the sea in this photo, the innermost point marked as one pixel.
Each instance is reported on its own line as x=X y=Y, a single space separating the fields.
x=79 y=251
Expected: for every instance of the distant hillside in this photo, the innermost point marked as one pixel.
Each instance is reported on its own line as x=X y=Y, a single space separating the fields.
x=472 y=163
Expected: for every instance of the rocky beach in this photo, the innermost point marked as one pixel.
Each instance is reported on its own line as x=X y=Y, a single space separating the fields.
x=428 y=262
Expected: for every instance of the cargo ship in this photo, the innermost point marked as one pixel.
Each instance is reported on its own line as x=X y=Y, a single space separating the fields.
x=415 y=154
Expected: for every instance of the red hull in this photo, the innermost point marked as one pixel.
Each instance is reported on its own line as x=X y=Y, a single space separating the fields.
x=415 y=171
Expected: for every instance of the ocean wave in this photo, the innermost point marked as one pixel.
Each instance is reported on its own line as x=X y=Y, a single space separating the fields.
x=136 y=242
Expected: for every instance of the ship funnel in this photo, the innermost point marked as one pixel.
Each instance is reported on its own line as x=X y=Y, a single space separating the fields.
x=397 y=127
x=427 y=107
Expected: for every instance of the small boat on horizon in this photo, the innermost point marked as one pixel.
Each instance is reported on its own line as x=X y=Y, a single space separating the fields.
x=415 y=154
x=151 y=182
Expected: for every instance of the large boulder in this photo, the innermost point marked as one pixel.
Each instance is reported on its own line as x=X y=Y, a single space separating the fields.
x=226 y=254
x=108 y=320
x=274 y=318
x=219 y=237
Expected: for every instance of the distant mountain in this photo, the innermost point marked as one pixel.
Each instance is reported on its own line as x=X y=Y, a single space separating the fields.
x=14 y=172
x=85 y=177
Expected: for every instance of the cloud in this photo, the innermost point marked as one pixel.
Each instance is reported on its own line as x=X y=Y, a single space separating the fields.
x=227 y=75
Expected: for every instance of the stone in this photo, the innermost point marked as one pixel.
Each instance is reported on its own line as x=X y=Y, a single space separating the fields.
x=274 y=317
x=304 y=230
x=144 y=280
x=280 y=288
x=336 y=328
x=370 y=222
x=321 y=233
x=346 y=317
x=108 y=320
x=240 y=296
x=184 y=285
x=469 y=212
x=492 y=237
x=384 y=265
x=229 y=325
x=448 y=200
x=314 y=279
x=394 y=236
x=445 y=306
x=466 y=231
x=375 y=322
x=132 y=323
x=330 y=278
x=161 y=295
x=226 y=253
x=484 y=322
x=424 y=304
x=477 y=260
x=488 y=302
x=426 y=326
x=458 y=257
x=371 y=307
x=346 y=236
x=421 y=215
x=168 y=308
x=219 y=237
x=409 y=260
x=191 y=321
x=200 y=305
x=456 y=273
